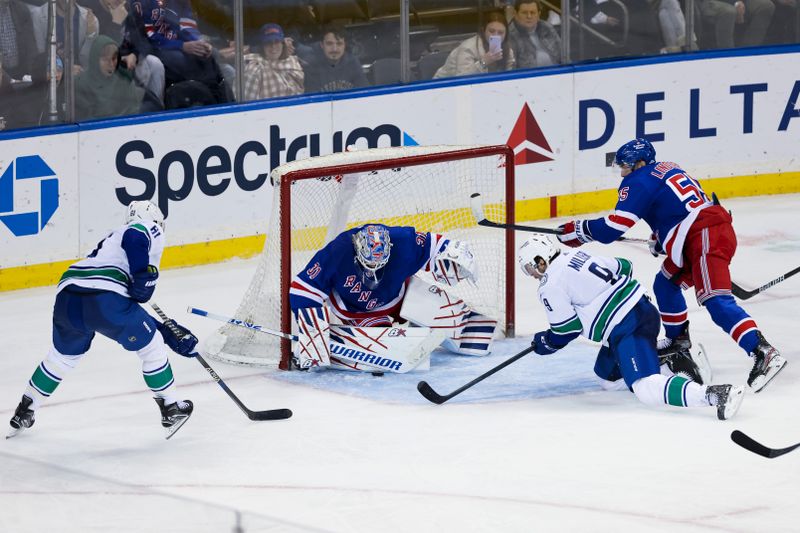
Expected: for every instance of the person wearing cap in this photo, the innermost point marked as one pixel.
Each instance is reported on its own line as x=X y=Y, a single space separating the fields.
x=275 y=71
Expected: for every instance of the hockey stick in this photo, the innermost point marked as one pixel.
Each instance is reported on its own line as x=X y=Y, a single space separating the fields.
x=743 y=294
x=749 y=444
x=241 y=323
x=433 y=396
x=477 y=210
x=270 y=414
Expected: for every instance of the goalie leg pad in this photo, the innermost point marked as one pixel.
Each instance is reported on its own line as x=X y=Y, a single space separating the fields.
x=465 y=331
x=395 y=349
x=311 y=348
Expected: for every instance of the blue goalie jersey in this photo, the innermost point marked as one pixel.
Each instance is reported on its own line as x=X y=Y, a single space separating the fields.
x=333 y=275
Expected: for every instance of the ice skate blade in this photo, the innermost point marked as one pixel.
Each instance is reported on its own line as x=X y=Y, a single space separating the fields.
x=13 y=432
x=175 y=427
x=776 y=365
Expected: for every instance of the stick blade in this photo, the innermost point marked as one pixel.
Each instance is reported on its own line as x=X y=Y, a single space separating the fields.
x=430 y=394
x=272 y=414
x=476 y=204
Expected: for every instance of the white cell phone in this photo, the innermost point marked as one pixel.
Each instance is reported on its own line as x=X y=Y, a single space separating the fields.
x=495 y=42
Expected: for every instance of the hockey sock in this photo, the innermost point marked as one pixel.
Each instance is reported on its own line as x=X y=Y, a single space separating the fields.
x=671 y=305
x=679 y=391
x=727 y=314
x=48 y=375
x=157 y=371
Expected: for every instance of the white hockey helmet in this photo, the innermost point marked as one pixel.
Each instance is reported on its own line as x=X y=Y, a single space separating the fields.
x=538 y=248
x=144 y=210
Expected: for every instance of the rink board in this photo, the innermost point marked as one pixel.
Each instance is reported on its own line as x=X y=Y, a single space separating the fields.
x=730 y=120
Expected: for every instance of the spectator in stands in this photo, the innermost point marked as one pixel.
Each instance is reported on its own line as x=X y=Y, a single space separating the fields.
x=148 y=70
x=673 y=27
x=106 y=89
x=724 y=15
x=275 y=72
x=331 y=67
x=172 y=32
x=535 y=43
x=23 y=74
x=783 y=29
x=476 y=55
x=110 y=16
x=84 y=32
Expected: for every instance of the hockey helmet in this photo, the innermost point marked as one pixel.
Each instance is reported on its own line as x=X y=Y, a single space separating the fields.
x=373 y=247
x=634 y=151
x=538 y=247
x=144 y=210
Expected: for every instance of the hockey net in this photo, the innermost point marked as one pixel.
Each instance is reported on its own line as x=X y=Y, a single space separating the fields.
x=427 y=187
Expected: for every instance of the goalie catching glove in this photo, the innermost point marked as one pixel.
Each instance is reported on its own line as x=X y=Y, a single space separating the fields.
x=312 y=348
x=179 y=339
x=455 y=263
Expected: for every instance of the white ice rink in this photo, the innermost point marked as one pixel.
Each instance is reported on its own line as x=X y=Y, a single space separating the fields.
x=537 y=447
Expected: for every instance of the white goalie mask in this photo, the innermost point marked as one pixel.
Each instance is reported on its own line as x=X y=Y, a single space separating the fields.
x=536 y=254
x=372 y=247
x=146 y=211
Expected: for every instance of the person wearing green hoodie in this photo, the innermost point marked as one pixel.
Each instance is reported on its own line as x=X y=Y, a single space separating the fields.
x=105 y=88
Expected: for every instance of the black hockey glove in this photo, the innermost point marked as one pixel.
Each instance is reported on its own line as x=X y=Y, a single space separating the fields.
x=143 y=284
x=178 y=338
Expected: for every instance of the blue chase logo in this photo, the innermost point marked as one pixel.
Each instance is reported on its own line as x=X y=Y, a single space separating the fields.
x=32 y=221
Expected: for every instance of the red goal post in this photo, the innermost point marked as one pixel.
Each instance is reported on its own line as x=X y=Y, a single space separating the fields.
x=428 y=187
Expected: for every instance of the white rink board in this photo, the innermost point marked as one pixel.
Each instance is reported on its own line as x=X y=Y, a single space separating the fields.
x=156 y=157
x=59 y=238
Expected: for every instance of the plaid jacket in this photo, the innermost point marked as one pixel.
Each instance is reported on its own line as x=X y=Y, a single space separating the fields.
x=264 y=78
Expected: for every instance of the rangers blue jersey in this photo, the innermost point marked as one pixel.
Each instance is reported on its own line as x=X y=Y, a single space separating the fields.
x=167 y=23
x=664 y=196
x=333 y=275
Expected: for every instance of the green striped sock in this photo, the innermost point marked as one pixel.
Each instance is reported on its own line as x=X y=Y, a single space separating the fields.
x=160 y=378
x=675 y=391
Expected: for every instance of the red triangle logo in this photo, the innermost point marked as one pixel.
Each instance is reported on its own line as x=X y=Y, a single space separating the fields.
x=527 y=131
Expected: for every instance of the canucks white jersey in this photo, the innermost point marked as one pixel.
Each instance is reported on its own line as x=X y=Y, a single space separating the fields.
x=588 y=294
x=108 y=266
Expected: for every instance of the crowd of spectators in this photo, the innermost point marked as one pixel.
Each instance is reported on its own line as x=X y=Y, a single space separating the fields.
x=138 y=56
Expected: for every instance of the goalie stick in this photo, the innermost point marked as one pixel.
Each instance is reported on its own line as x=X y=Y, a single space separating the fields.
x=743 y=294
x=751 y=445
x=477 y=210
x=433 y=396
x=270 y=414
x=241 y=323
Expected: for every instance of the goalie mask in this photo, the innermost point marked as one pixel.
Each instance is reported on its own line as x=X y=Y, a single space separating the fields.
x=536 y=254
x=146 y=211
x=373 y=248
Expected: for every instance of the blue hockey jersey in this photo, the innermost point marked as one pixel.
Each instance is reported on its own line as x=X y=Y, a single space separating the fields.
x=167 y=23
x=664 y=196
x=333 y=275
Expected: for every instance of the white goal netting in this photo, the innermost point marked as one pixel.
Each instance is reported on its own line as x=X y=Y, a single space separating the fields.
x=315 y=199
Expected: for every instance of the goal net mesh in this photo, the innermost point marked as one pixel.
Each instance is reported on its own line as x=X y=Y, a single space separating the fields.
x=317 y=198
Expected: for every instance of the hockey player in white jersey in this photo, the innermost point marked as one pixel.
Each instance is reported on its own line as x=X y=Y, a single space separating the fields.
x=101 y=294
x=597 y=296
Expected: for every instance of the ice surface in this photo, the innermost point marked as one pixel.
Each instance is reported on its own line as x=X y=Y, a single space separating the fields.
x=536 y=447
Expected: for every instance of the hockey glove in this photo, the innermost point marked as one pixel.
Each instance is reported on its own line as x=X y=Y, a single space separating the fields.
x=455 y=263
x=655 y=246
x=540 y=344
x=143 y=284
x=574 y=233
x=178 y=338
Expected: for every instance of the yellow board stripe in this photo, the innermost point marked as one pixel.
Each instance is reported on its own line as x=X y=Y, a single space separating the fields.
x=28 y=276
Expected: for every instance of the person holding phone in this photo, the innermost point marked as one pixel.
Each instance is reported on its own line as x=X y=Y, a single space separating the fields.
x=487 y=51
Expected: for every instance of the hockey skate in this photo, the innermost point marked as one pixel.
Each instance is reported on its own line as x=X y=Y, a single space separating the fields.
x=668 y=346
x=727 y=398
x=23 y=417
x=767 y=363
x=174 y=415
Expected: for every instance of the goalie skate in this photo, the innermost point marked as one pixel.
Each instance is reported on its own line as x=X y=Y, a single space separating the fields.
x=174 y=415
